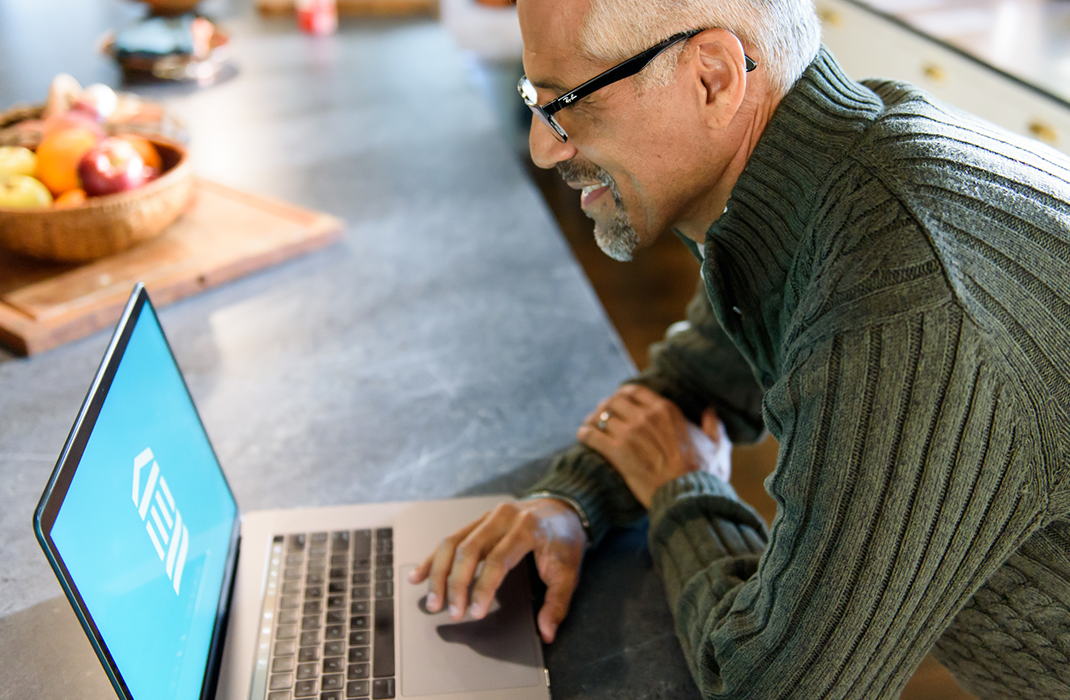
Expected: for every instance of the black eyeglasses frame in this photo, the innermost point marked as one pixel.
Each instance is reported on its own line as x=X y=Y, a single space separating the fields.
x=625 y=69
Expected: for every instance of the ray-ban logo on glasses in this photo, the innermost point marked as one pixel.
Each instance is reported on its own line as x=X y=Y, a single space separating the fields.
x=162 y=519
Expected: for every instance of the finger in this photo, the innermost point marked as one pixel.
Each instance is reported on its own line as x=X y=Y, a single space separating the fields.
x=712 y=425
x=470 y=553
x=561 y=580
x=440 y=562
x=506 y=554
x=640 y=395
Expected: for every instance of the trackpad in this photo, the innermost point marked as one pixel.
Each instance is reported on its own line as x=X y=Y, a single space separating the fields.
x=440 y=656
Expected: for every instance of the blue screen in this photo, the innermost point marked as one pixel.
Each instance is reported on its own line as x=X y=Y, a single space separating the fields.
x=146 y=523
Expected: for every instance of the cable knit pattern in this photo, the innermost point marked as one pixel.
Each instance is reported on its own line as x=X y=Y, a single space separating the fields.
x=896 y=277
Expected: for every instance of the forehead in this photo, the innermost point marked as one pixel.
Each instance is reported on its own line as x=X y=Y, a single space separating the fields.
x=551 y=32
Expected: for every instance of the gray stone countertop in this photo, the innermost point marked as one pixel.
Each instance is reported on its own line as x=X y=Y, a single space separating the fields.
x=441 y=348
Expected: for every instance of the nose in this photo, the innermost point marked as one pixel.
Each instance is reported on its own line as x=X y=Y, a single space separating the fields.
x=546 y=150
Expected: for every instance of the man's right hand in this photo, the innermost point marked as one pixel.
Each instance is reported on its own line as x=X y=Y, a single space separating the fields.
x=499 y=541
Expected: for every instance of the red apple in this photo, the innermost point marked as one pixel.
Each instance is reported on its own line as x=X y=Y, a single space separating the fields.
x=113 y=166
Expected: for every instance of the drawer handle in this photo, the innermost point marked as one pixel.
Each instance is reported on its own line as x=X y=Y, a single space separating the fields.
x=934 y=73
x=1043 y=132
x=830 y=17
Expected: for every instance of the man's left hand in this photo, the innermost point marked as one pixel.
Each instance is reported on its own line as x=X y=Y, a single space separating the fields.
x=649 y=442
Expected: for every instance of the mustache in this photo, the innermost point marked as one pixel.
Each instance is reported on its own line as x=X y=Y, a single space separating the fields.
x=573 y=171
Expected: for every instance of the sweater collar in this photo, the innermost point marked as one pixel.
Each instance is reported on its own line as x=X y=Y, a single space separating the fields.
x=752 y=248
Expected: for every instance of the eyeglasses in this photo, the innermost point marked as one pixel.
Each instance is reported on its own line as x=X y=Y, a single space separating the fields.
x=623 y=70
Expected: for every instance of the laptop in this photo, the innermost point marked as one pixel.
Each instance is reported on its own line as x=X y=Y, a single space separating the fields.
x=185 y=597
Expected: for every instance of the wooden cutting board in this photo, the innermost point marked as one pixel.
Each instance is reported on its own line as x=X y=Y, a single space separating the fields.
x=224 y=235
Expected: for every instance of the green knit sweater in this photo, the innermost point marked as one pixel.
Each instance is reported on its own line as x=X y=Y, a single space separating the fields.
x=888 y=293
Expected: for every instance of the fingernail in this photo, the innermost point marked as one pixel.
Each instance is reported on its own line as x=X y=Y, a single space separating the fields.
x=475 y=611
x=455 y=612
x=432 y=602
x=412 y=576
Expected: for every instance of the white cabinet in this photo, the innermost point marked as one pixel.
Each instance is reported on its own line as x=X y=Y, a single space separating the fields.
x=868 y=44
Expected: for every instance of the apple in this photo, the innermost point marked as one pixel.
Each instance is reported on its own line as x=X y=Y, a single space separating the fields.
x=113 y=165
x=97 y=100
x=23 y=192
x=16 y=160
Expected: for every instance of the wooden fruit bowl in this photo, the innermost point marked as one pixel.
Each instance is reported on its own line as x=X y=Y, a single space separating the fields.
x=103 y=226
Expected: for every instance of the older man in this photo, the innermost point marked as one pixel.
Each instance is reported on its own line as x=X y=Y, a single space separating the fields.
x=887 y=291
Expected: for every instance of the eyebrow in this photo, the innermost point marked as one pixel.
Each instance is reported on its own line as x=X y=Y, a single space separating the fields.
x=550 y=85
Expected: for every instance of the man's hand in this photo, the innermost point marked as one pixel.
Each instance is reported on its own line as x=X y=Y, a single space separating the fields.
x=649 y=441
x=499 y=541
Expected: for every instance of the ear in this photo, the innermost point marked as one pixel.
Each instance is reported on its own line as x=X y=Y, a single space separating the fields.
x=721 y=71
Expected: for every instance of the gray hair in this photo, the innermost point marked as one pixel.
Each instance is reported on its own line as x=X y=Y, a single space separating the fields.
x=785 y=34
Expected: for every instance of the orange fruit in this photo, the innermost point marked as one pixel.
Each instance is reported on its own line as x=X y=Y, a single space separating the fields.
x=70 y=198
x=58 y=156
x=145 y=148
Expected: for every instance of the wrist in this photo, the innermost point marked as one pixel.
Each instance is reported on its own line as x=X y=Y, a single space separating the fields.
x=572 y=503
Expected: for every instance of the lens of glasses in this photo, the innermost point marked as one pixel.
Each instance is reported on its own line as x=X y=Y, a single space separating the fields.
x=531 y=99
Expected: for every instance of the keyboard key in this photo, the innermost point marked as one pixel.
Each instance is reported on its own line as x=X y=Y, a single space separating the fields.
x=360 y=622
x=359 y=655
x=313 y=592
x=334 y=681
x=335 y=617
x=384 y=589
x=316 y=567
x=296 y=542
x=340 y=559
x=335 y=632
x=357 y=689
x=337 y=586
x=291 y=587
x=360 y=639
x=340 y=540
x=287 y=617
x=318 y=537
x=286 y=632
x=309 y=654
x=306 y=671
x=281 y=681
x=360 y=607
x=384 y=574
x=362 y=544
x=305 y=689
x=383 y=688
x=286 y=648
x=361 y=591
x=310 y=622
x=339 y=572
x=291 y=573
x=358 y=672
x=318 y=551
x=287 y=602
x=336 y=601
x=313 y=607
x=295 y=558
x=279 y=695
x=336 y=647
x=282 y=663
x=362 y=564
x=384 y=533
x=314 y=579
x=362 y=577
x=335 y=664
x=384 y=546
x=384 y=559
x=384 y=638
x=331 y=695
x=312 y=637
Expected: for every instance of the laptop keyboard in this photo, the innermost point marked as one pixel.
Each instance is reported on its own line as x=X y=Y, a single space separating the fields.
x=328 y=617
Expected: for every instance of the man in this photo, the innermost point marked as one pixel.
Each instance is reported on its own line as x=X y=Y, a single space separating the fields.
x=887 y=291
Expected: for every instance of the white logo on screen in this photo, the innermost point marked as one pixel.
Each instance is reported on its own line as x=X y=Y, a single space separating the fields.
x=163 y=521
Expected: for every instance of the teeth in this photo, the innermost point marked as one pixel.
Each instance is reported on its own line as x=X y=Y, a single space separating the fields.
x=591 y=188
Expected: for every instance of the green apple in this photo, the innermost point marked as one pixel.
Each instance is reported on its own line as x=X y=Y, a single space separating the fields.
x=16 y=160
x=23 y=192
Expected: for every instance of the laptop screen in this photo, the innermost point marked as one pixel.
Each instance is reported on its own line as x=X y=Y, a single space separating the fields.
x=145 y=527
